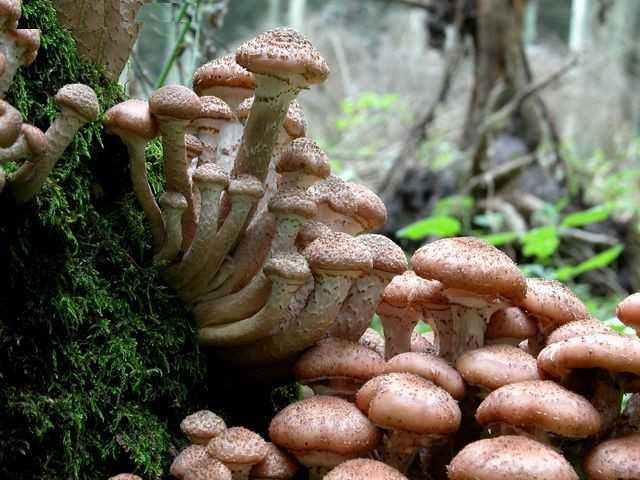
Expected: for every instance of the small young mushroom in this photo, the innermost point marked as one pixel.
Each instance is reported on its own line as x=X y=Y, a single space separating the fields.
x=538 y=408
x=370 y=210
x=322 y=432
x=615 y=459
x=211 y=126
x=510 y=326
x=628 y=311
x=302 y=164
x=337 y=367
x=10 y=13
x=360 y=468
x=191 y=458
x=579 y=328
x=509 y=458
x=337 y=205
x=173 y=205
x=239 y=449
x=225 y=79
x=202 y=426
x=32 y=146
x=20 y=49
x=276 y=465
x=125 y=476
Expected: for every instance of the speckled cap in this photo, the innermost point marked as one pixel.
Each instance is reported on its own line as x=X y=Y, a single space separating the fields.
x=305 y=156
x=309 y=232
x=324 y=424
x=276 y=465
x=470 y=264
x=493 y=366
x=37 y=142
x=202 y=426
x=615 y=459
x=373 y=341
x=335 y=193
x=511 y=322
x=628 y=311
x=283 y=52
x=387 y=256
x=80 y=99
x=509 y=458
x=238 y=445
x=29 y=40
x=579 y=328
x=364 y=468
x=246 y=185
x=173 y=200
x=190 y=458
x=11 y=10
x=222 y=72
x=553 y=303
x=409 y=403
x=430 y=367
x=210 y=174
x=213 y=108
x=336 y=357
x=131 y=118
x=614 y=353
x=409 y=290
x=175 y=101
x=370 y=210
x=291 y=267
x=125 y=476
x=193 y=146
x=338 y=252
x=293 y=203
x=295 y=123
x=540 y=405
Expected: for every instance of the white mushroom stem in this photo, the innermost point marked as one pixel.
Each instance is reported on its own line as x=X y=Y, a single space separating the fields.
x=209 y=135
x=59 y=135
x=10 y=125
x=14 y=55
x=320 y=311
x=398 y=324
x=229 y=140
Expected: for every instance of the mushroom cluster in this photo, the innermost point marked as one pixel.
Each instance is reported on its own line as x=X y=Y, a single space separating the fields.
x=20 y=142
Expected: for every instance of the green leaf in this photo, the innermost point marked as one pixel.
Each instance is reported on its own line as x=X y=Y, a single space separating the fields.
x=540 y=242
x=600 y=260
x=499 y=239
x=452 y=205
x=586 y=217
x=437 y=226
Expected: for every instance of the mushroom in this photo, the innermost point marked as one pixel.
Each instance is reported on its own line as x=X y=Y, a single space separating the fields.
x=276 y=465
x=579 y=328
x=132 y=122
x=373 y=341
x=78 y=106
x=202 y=426
x=337 y=367
x=20 y=49
x=173 y=205
x=10 y=126
x=192 y=458
x=10 y=12
x=125 y=476
x=412 y=411
x=301 y=165
x=509 y=458
x=538 y=408
x=510 y=326
x=628 y=311
x=322 y=432
x=239 y=449
x=225 y=79
x=478 y=280
x=615 y=459
x=174 y=107
x=360 y=468
x=211 y=126
x=32 y=145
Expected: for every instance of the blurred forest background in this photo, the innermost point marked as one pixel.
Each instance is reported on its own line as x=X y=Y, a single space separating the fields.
x=519 y=124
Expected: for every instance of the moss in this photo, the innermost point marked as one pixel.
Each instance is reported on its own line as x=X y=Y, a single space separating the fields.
x=97 y=357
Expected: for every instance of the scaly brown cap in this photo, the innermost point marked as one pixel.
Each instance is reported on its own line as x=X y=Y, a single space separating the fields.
x=222 y=72
x=335 y=193
x=173 y=200
x=364 y=468
x=202 y=426
x=305 y=156
x=509 y=458
x=293 y=203
x=614 y=353
x=470 y=264
x=213 y=108
x=430 y=367
x=628 y=311
x=540 y=405
x=11 y=10
x=511 y=322
x=309 y=232
x=237 y=445
x=387 y=256
x=553 y=303
x=370 y=210
x=131 y=118
x=493 y=366
x=80 y=99
x=125 y=476
x=295 y=123
x=289 y=266
x=191 y=458
x=283 y=52
x=175 y=101
x=579 y=328
x=276 y=465
x=373 y=341
x=408 y=290
x=193 y=146
x=338 y=252
x=615 y=459
x=29 y=40
x=246 y=185
x=210 y=174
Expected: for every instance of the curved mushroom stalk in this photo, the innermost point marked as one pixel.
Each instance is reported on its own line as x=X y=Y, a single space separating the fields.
x=173 y=206
x=20 y=48
x=10 y=125
x=31 y=146
x=398 y=324
x=287 y=274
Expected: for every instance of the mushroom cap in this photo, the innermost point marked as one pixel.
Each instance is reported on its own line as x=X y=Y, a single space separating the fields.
x=423 y=343
x=131 y=118
x=193 y=146
x=36 y=140
x=509 y=458
x=579 y=328
x=202 y=426
x=554 y=302
x=360 y=468
x=289 y=266
x=125 y=476
x=175 y=101
x=430 y=367
x=409 y=403
x=304 y=155
x=309 y=232
x=615 y=353
x=335 y=193
x=10 y=124
x=293 y=203
x=192 y=457
x=540 y=405
x=387 y=256
x=338 y=252
x=244 y=109
x=615 y=459
x=336 y=357
x=210 y=174
x=493 y=366
x=511 y=322
x=80 y=99
x=373 y=341
x=29 y=40
x=276 y=465
x=295 y=123
x=212 y=470
x=628 y=311
x=283 y=52
x=173 y=200
x=246 y=185
x=468 y=263
x=222 y=72
x=214 y=108
x=324 y=424
x=408 y=290
x=370 y=209
x=237 y=445
x=11 y=9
